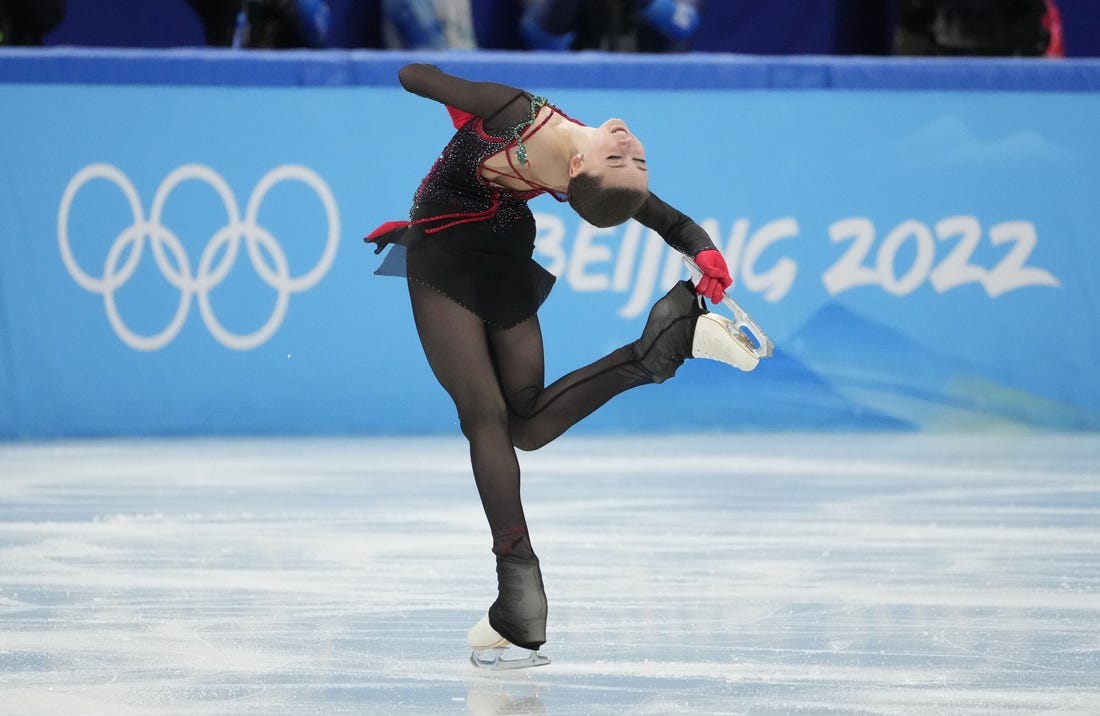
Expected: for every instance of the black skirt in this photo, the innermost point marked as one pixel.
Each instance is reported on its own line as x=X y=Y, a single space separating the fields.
x=479 y=265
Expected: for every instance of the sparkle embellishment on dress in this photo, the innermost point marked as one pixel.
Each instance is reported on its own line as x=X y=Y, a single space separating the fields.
x=537 y=103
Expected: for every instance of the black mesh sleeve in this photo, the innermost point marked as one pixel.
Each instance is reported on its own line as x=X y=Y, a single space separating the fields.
x=499 y=105
x=677 y=229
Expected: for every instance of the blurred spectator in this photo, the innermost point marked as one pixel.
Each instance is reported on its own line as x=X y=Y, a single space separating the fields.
x=977 y=27
x=219 y=19
x=428 y=24
x=1052 y=21
x=610 y=25
x=263 y=24
x=26 y=22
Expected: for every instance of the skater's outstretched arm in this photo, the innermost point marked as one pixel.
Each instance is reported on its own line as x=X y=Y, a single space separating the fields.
x=677 y=228
x=681 y=233
x=498 y=104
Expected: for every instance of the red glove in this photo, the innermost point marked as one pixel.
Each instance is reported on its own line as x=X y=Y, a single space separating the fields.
x=716 y=277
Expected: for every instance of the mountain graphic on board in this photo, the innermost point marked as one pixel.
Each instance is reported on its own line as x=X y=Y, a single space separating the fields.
x=877 y=368
x=839 y=372
x=781 y=394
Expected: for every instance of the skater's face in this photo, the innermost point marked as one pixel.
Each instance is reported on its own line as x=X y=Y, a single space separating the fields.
x=613 y=155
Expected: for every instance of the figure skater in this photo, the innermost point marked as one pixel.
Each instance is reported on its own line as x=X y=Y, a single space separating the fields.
x=466 y=250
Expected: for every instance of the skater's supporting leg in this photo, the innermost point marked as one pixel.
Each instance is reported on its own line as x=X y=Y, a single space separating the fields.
x=457 y=348
x=471 y=362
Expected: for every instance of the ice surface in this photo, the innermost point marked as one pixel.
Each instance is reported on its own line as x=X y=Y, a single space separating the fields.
x=724 y=574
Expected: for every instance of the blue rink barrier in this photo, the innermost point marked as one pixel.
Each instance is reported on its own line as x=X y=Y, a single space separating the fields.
x=180 y=239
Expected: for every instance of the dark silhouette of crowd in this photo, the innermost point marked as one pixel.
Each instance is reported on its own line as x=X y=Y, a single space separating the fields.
x=26 y=22
x=1025 y=28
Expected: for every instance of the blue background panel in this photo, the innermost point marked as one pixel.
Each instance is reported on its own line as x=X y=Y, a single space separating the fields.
x=184 y=257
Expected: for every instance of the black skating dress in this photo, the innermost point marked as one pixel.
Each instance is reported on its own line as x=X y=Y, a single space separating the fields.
x=472 y=240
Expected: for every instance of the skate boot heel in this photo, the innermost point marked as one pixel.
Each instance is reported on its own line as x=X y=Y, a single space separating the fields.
x=492 y=651
x=517 y=618
x=519 y=612
x=717 y=338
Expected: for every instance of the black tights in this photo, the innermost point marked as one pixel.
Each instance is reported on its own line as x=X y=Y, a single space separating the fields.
x=496 y=379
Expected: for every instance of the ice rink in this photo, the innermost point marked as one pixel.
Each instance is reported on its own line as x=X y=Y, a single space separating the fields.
x=724 y=574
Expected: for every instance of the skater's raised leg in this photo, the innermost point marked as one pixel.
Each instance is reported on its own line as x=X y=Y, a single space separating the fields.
x=678 y=328
x=539 y=414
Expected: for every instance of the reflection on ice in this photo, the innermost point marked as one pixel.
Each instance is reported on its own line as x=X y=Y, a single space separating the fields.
x=725 y=575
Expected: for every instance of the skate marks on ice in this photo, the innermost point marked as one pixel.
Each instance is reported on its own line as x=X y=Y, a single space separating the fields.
x=725 y=575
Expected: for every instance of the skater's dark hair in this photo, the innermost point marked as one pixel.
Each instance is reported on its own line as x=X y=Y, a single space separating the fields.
x=603 y=206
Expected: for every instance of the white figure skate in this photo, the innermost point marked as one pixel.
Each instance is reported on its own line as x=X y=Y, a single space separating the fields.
x=490 y=650
x=713 y=333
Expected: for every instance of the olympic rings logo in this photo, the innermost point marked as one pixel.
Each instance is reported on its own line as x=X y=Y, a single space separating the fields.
x=197 y=284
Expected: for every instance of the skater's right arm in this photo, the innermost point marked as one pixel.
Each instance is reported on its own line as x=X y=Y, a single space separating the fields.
x=682 y=233
x=677 y=228
x=499 y=105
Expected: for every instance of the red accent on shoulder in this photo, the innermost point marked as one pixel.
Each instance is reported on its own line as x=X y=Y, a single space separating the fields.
x=459 y=118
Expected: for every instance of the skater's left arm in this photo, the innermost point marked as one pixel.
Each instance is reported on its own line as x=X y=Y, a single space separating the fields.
x=682 y=233
x=499 y=105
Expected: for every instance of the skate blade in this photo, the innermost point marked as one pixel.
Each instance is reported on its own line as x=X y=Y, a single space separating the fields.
x=756 y=341
x=493 y=659
x=719 y=339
